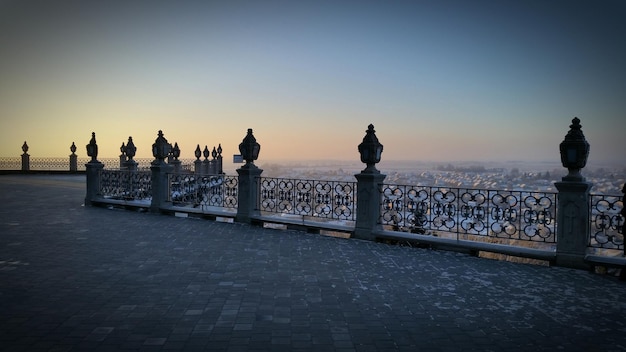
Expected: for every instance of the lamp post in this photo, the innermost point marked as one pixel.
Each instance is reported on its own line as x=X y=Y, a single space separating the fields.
x=573 y=229
x=370 y=150
x=369 y=183
x=249 y=178
x=574 y=151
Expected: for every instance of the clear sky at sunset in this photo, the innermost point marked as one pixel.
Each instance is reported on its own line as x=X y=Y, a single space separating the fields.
x=440 y=80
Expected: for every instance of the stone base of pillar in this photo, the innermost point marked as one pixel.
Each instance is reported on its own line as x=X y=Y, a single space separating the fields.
x=368 y=205
x=92 y=173
x=159 y=180
x=248 y=193
x=572 y=224
x=25 y=162
x=73 y=163
x=571 y=260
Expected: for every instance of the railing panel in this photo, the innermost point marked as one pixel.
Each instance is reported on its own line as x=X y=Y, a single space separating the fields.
x=606 y=222
x=12 y=163
x=528 y=216
x=203 y=191
x=126 y=185
x=334 y=200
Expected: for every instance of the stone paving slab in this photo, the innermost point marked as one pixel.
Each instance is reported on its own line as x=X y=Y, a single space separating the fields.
x=75 y=278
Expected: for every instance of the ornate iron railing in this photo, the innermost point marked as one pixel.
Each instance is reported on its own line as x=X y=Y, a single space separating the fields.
x=606 y=222
x=203 y=191
x=12 y=163
x=63 y=164
x=334 y=200
x=50 y=163
x=126 y=185
x=517 y=215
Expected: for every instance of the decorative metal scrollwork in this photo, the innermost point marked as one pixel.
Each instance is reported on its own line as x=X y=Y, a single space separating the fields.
x=126 y=185
x=321 y=199
x=508 y=214
x=607 y=222
x=203 y=191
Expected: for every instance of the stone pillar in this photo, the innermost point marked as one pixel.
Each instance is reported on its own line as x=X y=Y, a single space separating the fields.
x=160 y=150
x=248 y=194
x=368 y=204
x=92 y=172
x=572 y=223
x=197 y=164
x=25 y=158
x=220 y=167
x=176 y=167
x=93 y=169
x=130 y=165
x=197 y=167
x=73 y=158
x=130 y=151
x=175 y=153
x=205 y=163
x=572 y=233
x=123 y=156
x=159 y=169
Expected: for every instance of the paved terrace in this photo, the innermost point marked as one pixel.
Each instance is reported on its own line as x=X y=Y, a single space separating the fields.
x=77 y=278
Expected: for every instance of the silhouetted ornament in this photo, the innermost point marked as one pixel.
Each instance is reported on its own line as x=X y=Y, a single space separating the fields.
x=25 y=147
x=161 y=148
x=370 y=150
x=73 y=148
x=249 y=148
x=206 y=152
x=198 y=152
x=92 y=148
x=219 y=149
x=574 y=151
x=176 y=151
x=131 y=150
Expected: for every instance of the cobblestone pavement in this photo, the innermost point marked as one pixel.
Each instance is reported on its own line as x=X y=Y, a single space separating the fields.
x=75 y=278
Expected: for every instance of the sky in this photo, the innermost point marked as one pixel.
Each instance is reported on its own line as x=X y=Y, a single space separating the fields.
x=440 y=80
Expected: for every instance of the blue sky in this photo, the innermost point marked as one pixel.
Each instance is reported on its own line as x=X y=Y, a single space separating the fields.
x=440 y=80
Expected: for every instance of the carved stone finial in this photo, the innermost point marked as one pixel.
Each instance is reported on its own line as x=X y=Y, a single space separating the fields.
x=92 y=148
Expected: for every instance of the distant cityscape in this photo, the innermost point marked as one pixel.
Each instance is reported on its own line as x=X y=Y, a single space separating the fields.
x=526 y=176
